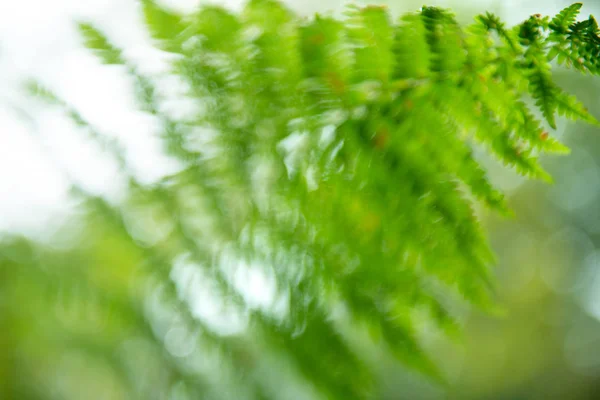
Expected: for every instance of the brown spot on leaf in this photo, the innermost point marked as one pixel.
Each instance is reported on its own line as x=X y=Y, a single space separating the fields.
x=336 y=83
x=317 y=38
x=381 y=138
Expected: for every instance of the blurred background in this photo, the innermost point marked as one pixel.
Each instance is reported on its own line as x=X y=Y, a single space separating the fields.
x=547 y=346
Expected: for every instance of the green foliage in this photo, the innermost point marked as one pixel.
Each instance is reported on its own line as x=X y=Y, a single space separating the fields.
x=340 y=163
x=96 y=41
x=165 y=26
x=564 y=19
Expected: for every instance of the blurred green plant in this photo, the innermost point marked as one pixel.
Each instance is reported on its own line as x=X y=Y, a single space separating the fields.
x=329 y=165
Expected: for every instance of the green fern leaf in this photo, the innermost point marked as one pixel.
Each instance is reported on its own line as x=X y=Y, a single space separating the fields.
x=371 y=36
x=564 y=19
x=411 y=51
x=445 y=40
x=572 y=108
x=100 y=45
x=165 y=26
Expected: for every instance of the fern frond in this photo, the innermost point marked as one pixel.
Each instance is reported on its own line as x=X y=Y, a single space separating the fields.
x=565 y=18
x=445 y=40
x=165 y=26
x=371 y=36
x=572 y=108
x=577 y=44
x=277 y=43
x=541 y=86
x=100 y=45
x=411 y=51
x=336 y=156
